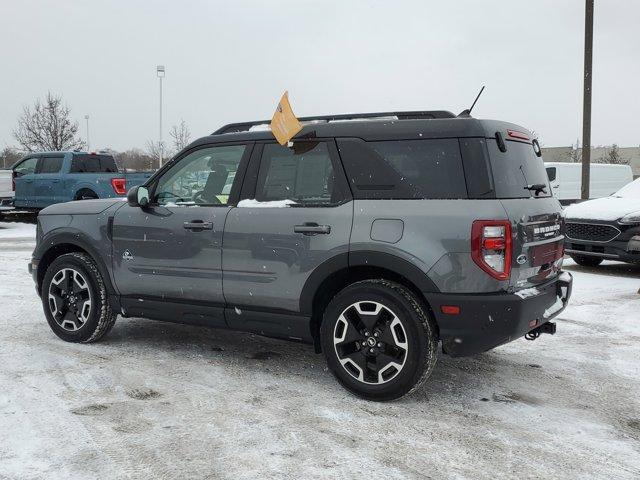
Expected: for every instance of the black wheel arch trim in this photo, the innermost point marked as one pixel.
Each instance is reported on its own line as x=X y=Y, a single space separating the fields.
x=373 y=259
x=80 y=240
x=396 y=264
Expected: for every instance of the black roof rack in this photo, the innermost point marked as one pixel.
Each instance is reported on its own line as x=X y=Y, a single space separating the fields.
x=416 y=115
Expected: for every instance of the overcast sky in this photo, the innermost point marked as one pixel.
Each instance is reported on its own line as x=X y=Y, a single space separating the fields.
x=231 y=60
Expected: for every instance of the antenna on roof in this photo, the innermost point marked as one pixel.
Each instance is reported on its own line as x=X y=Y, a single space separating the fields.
x=467 y=113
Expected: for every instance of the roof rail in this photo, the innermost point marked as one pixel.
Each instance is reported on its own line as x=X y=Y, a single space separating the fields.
x=414 y=115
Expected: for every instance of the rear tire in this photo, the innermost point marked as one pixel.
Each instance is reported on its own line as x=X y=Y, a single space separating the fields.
x=586 y=261
x=379 y=340
x=86 y=195
x=74 y=298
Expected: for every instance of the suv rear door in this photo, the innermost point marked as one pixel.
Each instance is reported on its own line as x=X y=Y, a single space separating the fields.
x=46 y=182
x=270 y=249
x=535 y=215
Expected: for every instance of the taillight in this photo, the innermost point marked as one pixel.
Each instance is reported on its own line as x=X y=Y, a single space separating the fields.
x=119 y=185
x=518 y=135
x=491 y=247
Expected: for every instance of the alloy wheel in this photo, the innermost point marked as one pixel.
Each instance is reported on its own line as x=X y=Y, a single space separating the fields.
x=69 y=299
x=370 y=342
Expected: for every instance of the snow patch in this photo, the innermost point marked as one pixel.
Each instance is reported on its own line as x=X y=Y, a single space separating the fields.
x=262 y=127
x=556 y=307
x=607 y=208
x=253 y=203
x=528 y=292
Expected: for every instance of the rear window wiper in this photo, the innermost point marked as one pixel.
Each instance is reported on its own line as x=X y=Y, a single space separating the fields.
x=536 y=188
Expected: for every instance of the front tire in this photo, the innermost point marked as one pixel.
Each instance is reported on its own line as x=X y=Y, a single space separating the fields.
x=74 y=298
x=379 y=340
x=585 y=261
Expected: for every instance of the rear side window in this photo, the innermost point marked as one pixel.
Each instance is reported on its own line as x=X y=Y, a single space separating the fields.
x=84 y=163
x=404 y=169
x=303 y=174
x=50 y=165
x=515 y=169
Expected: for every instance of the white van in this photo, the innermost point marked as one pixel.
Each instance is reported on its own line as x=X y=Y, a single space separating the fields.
x=605 y=179
x=6 y=187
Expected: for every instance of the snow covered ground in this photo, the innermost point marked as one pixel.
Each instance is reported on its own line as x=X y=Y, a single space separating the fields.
x=157 y=400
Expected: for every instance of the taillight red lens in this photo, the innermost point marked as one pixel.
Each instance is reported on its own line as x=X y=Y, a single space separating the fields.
x=450 y=309
x=491 y=247
x=518 y=135
x=119 y=185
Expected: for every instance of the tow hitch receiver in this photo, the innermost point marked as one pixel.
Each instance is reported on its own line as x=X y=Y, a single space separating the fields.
x=549 y=327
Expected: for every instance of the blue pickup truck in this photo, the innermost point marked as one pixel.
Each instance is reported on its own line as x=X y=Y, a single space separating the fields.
x=42 y=179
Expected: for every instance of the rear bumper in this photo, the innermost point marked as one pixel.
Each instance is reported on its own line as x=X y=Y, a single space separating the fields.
x=486 y=321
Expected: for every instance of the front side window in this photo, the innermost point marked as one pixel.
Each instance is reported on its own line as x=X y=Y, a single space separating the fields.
x=203 y=177
x=50 y=165
x=303 y=174
x=26 y=166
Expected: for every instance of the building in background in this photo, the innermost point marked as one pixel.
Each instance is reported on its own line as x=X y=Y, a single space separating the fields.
x=629 y=155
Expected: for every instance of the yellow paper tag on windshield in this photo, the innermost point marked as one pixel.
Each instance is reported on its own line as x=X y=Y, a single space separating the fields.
x=284 y=123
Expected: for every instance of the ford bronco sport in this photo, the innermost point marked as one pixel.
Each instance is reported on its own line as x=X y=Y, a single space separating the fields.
x=375 y=237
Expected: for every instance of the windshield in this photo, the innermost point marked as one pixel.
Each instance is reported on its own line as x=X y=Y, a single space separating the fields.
x=516 y=169
x=630 y=190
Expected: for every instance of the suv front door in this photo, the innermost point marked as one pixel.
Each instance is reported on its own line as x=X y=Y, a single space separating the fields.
x=167 y=256
x=271 y=249
x=24 y=174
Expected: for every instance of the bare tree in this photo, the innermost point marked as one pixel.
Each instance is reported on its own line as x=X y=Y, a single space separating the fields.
x=135 y=159
x=47 y=126
x=576 y=152
x=153 y=152
x=181 y=135
x=9 y=156
x=613 y=156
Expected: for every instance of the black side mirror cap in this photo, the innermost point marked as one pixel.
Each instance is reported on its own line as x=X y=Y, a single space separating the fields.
x=138 y=197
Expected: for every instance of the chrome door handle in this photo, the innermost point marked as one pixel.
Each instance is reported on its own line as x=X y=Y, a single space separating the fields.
x=198 y=225
x=311 y=228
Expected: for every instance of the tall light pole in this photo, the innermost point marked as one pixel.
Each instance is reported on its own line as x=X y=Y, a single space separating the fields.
x=586 y=102
x=86 y=117
x=160 y=73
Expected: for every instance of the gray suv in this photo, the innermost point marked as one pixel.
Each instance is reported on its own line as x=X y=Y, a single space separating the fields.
x=374 y=237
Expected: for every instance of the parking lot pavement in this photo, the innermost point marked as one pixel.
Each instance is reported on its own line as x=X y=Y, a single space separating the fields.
x=157 y=400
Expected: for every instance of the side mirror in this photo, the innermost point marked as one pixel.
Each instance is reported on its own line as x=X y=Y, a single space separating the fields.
x=138 y=197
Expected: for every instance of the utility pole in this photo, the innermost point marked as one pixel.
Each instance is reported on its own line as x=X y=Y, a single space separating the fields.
x=86 y=117
x=586 y=102
x=160 y=73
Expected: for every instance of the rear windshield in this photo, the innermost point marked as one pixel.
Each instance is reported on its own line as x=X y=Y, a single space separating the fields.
x=404 y=169
x=516 y=169
x=85 y=163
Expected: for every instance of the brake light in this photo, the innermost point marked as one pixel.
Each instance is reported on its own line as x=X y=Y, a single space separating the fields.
x=518 y=135
x=491 y=247
x=119 y=185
